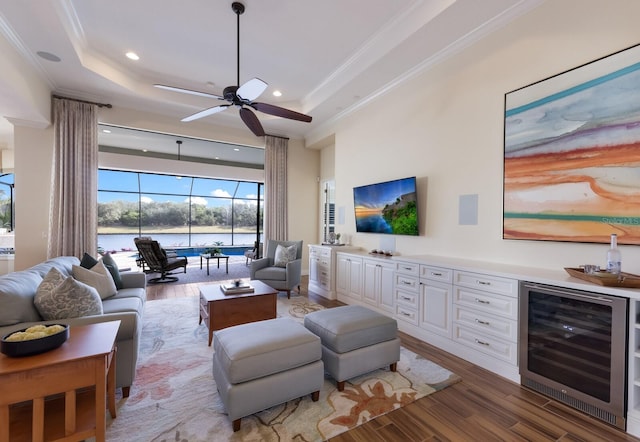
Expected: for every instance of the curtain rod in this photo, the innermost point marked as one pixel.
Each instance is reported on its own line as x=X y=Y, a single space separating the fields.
x=277 y=136
x=108 y=106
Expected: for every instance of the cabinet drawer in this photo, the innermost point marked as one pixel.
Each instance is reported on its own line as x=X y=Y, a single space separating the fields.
x=497 y=326
x=507 y=351
x=408 y=283
x=406 y=314
x=494 y=284
x=436 y=273
x=407 y=298
x=485 y=302
x=408 y=268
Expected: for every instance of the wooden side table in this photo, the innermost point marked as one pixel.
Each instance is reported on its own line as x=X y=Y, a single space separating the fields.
x=221 y=311
x=61 y=394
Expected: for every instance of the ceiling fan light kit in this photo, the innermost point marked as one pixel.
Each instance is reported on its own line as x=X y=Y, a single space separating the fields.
x=241 y=96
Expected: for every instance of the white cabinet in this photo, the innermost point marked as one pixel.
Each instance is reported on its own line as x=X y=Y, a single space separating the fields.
x=322 y=269
x=486 y=314
x=348 y=277
x=436 y=303
x=407 y=292
x=378 y=283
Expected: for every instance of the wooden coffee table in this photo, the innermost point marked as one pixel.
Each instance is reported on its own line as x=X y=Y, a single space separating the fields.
x=74 y=381
x=221 y=311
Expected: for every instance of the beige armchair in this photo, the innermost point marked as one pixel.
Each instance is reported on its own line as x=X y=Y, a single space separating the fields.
x=282 y=278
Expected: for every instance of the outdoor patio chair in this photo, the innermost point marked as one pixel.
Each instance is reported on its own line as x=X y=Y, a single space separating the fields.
x=157 y=261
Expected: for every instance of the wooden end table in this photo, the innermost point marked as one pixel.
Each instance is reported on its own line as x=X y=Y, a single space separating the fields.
x=221 y=311
x=209 y=256
x=60 y=378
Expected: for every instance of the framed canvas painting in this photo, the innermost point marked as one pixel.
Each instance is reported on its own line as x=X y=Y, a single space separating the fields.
x=572 y=154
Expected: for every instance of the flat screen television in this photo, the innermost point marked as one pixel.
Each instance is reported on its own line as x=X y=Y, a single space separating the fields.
x=389 y=207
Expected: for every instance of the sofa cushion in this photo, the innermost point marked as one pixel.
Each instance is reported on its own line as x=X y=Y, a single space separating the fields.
x=258 y=349
x=50 y=281
x=70 y=299
x=17 y=290
x=97 y=277
x=284 y=255
x=122 y=305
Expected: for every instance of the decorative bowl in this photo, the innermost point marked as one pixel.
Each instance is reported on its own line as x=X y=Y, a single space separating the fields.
x=34 y=346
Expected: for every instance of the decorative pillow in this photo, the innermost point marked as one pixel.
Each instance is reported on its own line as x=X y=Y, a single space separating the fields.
x=70 y=299
x=284 y=255
x=51 y=280
x=88 y=261
x=111 y=265
x=97 y=277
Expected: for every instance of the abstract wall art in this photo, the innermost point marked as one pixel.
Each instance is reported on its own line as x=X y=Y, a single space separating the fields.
x=572 y=154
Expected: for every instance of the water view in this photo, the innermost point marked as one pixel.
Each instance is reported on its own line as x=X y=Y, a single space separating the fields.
x=124 y=242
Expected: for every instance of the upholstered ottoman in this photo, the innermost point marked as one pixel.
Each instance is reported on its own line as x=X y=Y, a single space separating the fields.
x=355 y=340
x=265 y=363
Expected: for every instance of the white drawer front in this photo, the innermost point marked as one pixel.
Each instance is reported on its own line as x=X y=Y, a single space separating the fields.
x=436 y=273
x=497 y=326
x=494 y=284
x=408 y=283
x=408 y=268
x=487 y=302
x=407 y=298
x=507 y=351
x=406 y=314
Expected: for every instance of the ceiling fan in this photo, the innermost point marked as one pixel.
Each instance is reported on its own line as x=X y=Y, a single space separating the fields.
x=241 y=96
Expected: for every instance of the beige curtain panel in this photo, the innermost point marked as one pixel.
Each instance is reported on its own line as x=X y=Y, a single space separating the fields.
x=73 y=208
x=275 y=188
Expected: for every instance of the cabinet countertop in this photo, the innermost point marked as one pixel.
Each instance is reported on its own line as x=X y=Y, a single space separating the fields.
x=558 y=277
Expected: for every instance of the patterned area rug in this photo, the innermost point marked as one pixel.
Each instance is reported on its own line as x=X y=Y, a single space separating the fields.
x=174 y=397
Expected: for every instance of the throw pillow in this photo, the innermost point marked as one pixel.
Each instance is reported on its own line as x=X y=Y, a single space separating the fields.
x=111 y=265
x=97 y=277
x=284 y=255
x=88 y=261
x=70 y=299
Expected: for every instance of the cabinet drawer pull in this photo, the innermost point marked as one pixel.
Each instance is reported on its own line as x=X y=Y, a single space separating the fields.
x=482 y=301
x=407 y=268
x=407 y=283
x=478 y=341
x=436 y=274
x=479 y=321
x=406 y=314
x=484 y=283
x=406 y=298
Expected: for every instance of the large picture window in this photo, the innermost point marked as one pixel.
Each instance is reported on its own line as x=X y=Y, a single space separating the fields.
x=178 y=211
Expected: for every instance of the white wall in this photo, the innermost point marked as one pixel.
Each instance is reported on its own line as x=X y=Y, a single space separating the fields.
x=33 y=158
x=446 y=128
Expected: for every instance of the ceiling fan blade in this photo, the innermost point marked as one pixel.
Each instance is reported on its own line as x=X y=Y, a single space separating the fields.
x=187 y=91
x=252 y=122
x=281 y=112
x=252 y=89
x=205 y=113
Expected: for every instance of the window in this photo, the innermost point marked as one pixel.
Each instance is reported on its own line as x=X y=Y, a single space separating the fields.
x=178 y=211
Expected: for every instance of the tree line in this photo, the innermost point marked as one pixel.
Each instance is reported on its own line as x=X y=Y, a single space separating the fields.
x=128 y=214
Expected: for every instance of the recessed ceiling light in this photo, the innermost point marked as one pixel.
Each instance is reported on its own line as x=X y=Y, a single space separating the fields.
x=106 y=131
x=132 y=55
x=49 y=56
x=236 y=149
x=277 y=94
x=145 y=150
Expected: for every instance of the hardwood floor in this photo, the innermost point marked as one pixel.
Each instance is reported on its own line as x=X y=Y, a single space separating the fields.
x=483 y=407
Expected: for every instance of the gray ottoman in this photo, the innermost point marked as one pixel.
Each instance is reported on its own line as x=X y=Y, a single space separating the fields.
x=262 y=364
x=355 y=340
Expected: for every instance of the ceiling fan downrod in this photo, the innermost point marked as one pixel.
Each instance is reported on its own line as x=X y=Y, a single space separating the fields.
x=238 y=8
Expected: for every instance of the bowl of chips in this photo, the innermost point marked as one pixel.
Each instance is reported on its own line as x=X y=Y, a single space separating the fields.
x=34 y=340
